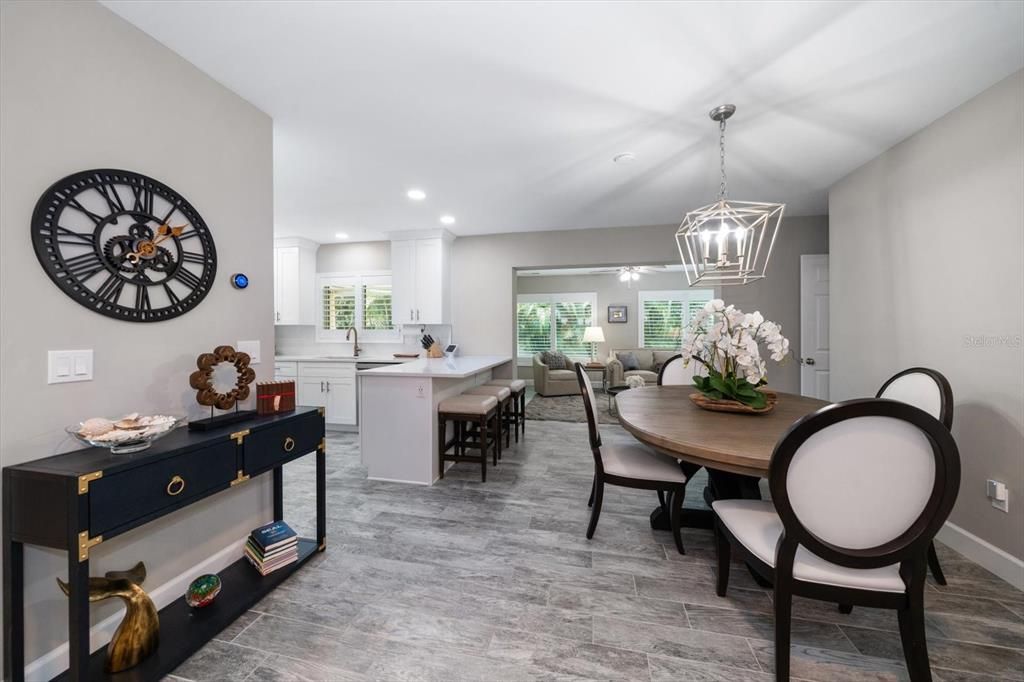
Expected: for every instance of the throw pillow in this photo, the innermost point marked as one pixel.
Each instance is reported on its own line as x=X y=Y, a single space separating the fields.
x=566 y=362
x=553 y=359
x=628 y=360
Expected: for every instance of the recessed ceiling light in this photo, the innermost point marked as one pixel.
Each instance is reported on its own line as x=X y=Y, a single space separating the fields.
x=340 y=235
x=448 y=220
x=625 y=157
x=416 y=194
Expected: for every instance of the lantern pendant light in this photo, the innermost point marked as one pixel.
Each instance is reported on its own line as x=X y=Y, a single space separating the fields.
x=728 y=242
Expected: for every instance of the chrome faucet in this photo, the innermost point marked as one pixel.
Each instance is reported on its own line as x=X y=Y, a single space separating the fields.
x=355 y=345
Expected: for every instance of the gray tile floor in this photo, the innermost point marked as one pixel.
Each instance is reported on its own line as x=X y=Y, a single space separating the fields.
x=496 y=581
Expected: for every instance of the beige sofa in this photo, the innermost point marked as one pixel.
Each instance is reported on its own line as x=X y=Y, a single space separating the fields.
x=547 y=381
x=650 y=362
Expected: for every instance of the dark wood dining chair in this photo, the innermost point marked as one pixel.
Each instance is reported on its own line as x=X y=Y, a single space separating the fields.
x=630 y=465
x=929 y=390
x=840 y=530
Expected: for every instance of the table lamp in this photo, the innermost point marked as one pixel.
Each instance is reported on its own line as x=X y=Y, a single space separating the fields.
x=593 y=335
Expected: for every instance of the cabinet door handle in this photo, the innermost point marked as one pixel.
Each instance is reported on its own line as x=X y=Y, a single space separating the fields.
x=321 y=387
x=278 y=316
x=417 y=314
x=410 y=315
x=328 y=387
x=176 y=486
x=289 y=444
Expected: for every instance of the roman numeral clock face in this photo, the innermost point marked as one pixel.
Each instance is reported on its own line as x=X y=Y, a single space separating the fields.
x=124 y=245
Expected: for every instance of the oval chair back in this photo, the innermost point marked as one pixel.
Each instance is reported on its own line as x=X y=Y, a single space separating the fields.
x=924 y=388
x=864 y=483
x=590 y=407
x=674 y=373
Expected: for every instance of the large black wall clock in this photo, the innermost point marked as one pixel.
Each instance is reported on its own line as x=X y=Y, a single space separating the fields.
x=124 y=245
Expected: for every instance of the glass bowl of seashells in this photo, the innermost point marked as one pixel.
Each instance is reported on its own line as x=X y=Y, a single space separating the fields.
x=131 y=433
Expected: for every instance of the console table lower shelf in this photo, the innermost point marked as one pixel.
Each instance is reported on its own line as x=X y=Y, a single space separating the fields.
x=184 y=630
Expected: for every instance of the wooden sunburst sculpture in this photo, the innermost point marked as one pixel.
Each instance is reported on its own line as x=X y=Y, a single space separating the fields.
x=202 y=378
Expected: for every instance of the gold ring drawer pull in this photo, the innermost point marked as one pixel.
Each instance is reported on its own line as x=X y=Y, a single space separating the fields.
x=176 y=486
x=289 y=444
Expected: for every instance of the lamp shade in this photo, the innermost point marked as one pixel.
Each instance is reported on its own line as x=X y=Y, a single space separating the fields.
x=593 y=335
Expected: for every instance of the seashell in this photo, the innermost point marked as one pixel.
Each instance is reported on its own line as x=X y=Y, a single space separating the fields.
x=116 y=436
x=200 y=378
x=224 y=353
x=246 y=376
x=206 y=361
x=242 y=359
x=225 y=401
x=206 y=397
x=128 y=424
x=96 y=426
x=242 y=392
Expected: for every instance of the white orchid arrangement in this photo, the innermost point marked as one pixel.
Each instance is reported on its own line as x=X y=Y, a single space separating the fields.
x=727 y=342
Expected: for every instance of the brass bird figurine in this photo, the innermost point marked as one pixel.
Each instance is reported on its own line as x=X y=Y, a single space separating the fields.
x=139 y=633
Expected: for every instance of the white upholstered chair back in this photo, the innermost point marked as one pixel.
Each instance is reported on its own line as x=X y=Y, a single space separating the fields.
x=675 y=374
x=861 y=482
x=917 y=389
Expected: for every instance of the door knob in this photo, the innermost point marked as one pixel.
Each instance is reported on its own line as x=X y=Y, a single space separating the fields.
x=809 y=361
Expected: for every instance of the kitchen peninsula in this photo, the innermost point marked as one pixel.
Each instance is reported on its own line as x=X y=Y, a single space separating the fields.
x=398 y=412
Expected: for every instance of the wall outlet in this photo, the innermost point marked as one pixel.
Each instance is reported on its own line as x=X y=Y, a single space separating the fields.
x=65 y=366
x=999 y=494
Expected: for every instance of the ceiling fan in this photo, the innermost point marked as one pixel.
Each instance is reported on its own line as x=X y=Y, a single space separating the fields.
x=631 y=273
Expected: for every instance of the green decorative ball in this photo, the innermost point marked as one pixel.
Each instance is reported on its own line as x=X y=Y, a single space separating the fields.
x=202 y=591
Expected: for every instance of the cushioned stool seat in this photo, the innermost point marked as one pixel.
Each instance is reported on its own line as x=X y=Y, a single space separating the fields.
x=516 y=417
x=476 y=426
x=755 y=524
x=503 y=395
x=514 y=385
x=468 y=404
x=499 y=392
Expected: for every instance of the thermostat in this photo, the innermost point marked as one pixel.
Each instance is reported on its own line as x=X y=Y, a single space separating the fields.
x=239 y=281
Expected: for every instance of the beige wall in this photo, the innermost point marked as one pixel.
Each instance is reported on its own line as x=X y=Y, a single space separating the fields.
x=357 y=257
x=484 y=282
x=926 y=258
x=609 y=291
x=80 y=88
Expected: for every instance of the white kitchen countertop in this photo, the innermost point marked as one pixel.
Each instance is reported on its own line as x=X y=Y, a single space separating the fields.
x=458 y=367
x=340 y=358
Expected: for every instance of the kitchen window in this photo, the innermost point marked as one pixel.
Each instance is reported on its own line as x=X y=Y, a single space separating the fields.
x=362 y=301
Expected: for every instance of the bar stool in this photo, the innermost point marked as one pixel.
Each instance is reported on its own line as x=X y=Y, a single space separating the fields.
x=504 y=397
x=518 y=413
x=481 y=410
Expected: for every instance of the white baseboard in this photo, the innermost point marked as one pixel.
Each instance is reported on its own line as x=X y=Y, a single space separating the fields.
x=54 y=662
x=983 y=553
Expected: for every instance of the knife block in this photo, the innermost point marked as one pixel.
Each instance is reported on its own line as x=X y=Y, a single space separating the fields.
x=435 y=351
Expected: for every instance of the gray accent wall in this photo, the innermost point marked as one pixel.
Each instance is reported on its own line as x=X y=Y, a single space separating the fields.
x=82 y=88
x=484 y=281
x=926 y=269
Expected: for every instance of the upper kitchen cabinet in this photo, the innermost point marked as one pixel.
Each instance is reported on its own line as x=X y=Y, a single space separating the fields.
x=294 y=281
x=420 y=280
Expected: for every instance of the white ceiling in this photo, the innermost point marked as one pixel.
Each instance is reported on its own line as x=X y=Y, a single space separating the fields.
x=508 y=114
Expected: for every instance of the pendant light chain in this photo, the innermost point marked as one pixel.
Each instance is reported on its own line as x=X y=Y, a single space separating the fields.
x=723 y=188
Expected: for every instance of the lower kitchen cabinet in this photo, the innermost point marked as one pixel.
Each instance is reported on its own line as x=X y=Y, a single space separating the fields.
x=331 y=386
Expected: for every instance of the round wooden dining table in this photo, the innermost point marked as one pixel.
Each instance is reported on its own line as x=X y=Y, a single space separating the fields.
x=664 y=418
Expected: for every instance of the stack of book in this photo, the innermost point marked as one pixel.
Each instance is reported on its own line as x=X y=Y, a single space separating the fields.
x=271 y=547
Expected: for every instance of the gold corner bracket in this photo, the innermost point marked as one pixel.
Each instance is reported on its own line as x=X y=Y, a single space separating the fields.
x=242 y=477
x=85 y=543
x=323 y=445
x=323 y=546
x=322 y=410
x=239 y=436
x=85 y=479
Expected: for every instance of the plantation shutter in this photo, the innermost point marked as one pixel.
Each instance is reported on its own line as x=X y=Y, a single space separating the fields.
x=377 y=306
x=572 y=319
x=533 y=328
x=662 y=323
x=339 y=306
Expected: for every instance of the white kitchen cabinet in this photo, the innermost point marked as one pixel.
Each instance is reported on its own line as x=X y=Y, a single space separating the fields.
x=420 y=280
x=331 y=386
x=294 y=281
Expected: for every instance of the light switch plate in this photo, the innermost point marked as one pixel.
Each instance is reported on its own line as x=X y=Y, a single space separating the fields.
x=252 y=348
x=65 y=366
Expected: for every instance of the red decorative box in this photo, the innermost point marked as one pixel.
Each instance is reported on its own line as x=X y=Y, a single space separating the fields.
x=273 y=397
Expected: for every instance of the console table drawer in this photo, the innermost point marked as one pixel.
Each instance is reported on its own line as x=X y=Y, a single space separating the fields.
x=121 y=498
x=267 y=448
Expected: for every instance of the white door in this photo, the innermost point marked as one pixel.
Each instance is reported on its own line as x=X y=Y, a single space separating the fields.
x=403 y=281
x=814 y=326
x=277 y=285
x=428 y=281
x=287 y=283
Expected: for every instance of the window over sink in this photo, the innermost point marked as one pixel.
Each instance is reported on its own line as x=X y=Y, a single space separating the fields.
x=363 y=301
